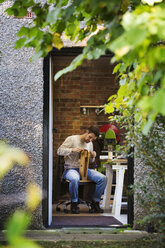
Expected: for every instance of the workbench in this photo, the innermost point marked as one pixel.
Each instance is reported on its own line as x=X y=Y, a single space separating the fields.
x=119 y=165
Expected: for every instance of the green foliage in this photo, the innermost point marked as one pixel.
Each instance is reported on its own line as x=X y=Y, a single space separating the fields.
x=18 y=223
x=77 y=19
x=16 y=228
x=134 y=32
x=150 y=189
x=141 y=49
x=9 y=156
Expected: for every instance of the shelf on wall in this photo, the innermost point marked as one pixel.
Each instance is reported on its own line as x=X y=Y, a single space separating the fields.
x=88 y=106
x=85 y=108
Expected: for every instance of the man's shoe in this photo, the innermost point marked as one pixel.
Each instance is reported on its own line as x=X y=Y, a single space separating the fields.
x=95 y=208
x=74 y=208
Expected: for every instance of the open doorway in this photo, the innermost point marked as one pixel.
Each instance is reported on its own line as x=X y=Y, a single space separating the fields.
x=76 y=100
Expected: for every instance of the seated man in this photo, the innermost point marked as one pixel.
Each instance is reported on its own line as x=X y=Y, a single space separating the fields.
x=70 y=149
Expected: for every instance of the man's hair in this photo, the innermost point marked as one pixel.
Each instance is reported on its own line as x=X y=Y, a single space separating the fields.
x=94 y=130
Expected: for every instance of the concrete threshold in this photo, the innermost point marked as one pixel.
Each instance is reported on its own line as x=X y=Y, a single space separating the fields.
x=82 y=234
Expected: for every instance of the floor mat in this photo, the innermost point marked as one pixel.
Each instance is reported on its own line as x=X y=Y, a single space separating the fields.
x=99 y=221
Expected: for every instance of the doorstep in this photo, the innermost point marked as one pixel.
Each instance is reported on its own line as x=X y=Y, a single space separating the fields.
x=83 y=234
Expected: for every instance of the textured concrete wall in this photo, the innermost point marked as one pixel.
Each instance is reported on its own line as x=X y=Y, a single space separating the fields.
x=148 y=174
x=140 y=174
x=21 y=114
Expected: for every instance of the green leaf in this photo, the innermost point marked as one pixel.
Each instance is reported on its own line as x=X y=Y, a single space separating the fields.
x=116 y=68
x=109 y=108
x=119 y=102
x=9 y=11
x=29 y=41
x=123 y=90
x=28 y=3
x=17 y=225
x=158 y=101
x=96 y=52
x=23 y=31
x=60 y=26
x=145 y=90
x=132 y=20
x=63 y=2
x=16 y=10
x=57 y=41
x=24 y=243
x=163 y=82
x=117 y=148
x=67 y=13
x=36 y=56
x=123 y=81
x=20 y=43
x=72 y=29
x=144 y=103
x=136 y=36
x=53 y=15
x=147 y=126
x=125 y=5
x=126 y=113
x=75 y=63
x=118 y=43
x=137 y=116
x=111 y=97
x=22 y=12
x=34 y=31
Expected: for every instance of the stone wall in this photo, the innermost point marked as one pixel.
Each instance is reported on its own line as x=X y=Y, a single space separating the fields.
x=21 y=114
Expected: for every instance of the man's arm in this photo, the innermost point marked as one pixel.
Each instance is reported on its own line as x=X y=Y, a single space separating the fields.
x=92 y=153
x=77 y=149
x=67 y=147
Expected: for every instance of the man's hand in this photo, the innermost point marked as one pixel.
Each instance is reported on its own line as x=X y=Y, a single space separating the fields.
x=77 y=149
x=93 y=154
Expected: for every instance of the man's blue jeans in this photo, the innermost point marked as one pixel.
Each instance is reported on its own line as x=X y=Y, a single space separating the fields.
x=74 y=177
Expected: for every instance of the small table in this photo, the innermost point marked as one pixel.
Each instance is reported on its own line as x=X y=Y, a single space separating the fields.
x=120 y=165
